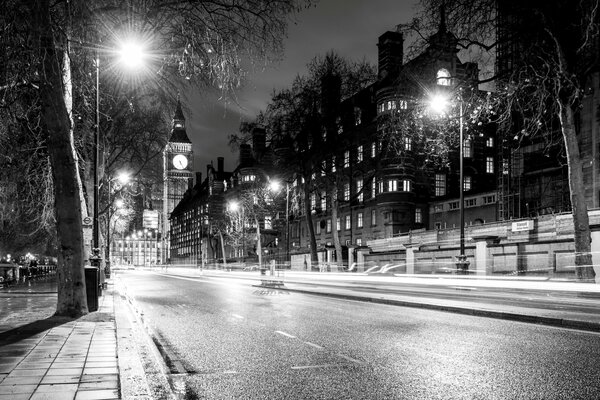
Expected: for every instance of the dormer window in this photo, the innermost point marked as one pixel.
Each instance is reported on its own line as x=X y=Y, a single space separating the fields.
x=443 y=77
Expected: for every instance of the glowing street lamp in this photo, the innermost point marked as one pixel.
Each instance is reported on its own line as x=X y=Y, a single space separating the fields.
x=275 y=186
x=439 y=104
x=133 y=53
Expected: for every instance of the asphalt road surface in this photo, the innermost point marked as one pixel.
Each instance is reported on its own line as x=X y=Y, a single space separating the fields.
x=226 y=339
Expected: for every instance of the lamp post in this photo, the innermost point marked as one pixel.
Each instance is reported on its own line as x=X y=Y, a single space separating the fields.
x=439 y=103
x=235 y=207
x=131 y=55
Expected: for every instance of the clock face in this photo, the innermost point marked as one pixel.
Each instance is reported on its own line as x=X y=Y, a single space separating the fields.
x=180 y=161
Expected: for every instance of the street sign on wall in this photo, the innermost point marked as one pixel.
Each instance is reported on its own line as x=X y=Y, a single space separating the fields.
x=522 y=226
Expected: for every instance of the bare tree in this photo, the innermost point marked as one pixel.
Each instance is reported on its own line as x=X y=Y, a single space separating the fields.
x=547 y=52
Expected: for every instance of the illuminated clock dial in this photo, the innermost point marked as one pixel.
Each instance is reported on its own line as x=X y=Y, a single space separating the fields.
x=180 y=161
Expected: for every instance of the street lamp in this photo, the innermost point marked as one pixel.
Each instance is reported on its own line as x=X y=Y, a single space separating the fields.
x=438 y=104
x=132 y=51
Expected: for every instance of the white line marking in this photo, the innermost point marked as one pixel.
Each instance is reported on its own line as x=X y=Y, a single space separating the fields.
x=350 y=359
x=237 y=316
x=314 y=366
x=230 y=372
x=286 y=334
x=316 y=346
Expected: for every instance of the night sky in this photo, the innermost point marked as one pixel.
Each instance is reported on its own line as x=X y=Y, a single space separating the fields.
x=350 y=27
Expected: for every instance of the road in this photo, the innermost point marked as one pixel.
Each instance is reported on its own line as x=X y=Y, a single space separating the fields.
x=230 y=340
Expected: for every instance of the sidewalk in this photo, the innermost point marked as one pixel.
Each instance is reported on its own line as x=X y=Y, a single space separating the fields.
x=46 y=357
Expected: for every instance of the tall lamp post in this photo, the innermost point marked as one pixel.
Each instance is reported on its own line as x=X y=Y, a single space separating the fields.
x=132 y=56
x=439 y=103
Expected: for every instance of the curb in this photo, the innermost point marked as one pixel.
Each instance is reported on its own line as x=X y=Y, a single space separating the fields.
x=549 y=321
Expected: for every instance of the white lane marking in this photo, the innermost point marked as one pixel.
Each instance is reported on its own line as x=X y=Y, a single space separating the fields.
x=286 y=334
x=314 y=366
x=237 y=316
x=316 y=346
x=350 y=359
x=230 y=372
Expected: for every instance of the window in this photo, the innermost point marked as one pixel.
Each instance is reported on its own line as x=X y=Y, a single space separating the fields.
x=313 y=202
x=418 y=216
x=359 y=190
x=359 y=242
x=392 y=185
x=268 y=222
x=407 y=143
x=373 y=217
x=440 y=184
x=323 y=168
x=491 y=199
x=373 y=188
x=489 y=165
x=248 y=178
x=443 y=77
x=467 y=149
x=359 y=153
x=489 y=142
x=505 y=167
x=380 y=186
x=373 y=150
x=333 y=164
x=453 y=205
x=346 y=192
x=467 y=183
x=347 y=159
x=357 y=116
x=359 y=220
x=348 y=222
x=403 y=104
x=338 y=224
x=323 y=201
x=328 y=226
x=470 y=202
x=406 y=185
x=438 y=208
x=318 y=228
x=438 y=225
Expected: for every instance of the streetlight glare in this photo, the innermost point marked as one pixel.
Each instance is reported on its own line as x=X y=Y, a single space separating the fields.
x=233 y=206
x=132 y=54
x=123 y=177
x=275 y=186
x=119 y=203
x=438 y=103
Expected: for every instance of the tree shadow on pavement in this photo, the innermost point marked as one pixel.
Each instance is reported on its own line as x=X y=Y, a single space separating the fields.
x=31 y=329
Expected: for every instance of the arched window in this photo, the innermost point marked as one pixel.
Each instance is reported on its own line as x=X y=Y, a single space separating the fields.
x=443 y=77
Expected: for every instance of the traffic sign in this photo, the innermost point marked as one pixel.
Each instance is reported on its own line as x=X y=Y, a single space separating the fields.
x=87 y=220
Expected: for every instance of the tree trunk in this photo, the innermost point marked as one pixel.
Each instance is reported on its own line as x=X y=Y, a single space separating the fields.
x=311 y=229
x=223 y=248
x=55 y=118
x=336 y=235
x=258 y=243
x=584 y=270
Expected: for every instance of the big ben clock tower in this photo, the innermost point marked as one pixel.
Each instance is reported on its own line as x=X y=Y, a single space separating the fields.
x=177 y=172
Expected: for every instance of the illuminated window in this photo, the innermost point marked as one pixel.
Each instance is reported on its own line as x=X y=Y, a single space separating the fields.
x=440 y=184
x=329 y=226
x=359 y=220
x=406 y=185
x=359 y=153
x=318 y=228
x=359 y=242
x=357 y=116
x=346 y=192
x=333 y=164
x=489 y=165
x=323 y=201
x=338 y=224
x=347 y=159
x=373 y=150
x=418 y=216
x=489 y=142
x=392 y=185
x=323 y=168
x=467 y=148
x=373 y=217
x=359 y=190
x=467 y=183
x=443 y=77
x=268 y=222
x=348 y=222
x=407 y=143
